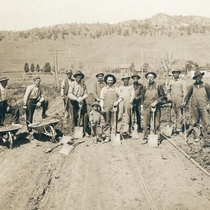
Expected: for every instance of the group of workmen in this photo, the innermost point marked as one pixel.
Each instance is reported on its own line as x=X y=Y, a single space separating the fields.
x=116 y=109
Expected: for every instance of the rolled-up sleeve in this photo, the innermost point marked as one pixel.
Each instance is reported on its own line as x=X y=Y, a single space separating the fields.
x=27 y=94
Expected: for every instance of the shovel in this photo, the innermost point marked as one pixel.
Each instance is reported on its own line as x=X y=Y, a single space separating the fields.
x=67 y=148
x=152 y=137
x=78 y=131
x=135 y=134
x=115 y=137
x=169 y=128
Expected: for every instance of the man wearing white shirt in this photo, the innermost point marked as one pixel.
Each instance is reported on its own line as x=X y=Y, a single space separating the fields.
x=34 y=98
x=64 y=93
x=4 y=106
x=127 y=91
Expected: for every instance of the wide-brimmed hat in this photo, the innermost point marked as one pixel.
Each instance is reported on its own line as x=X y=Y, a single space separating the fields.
x=79 y=73
x=69 y=71
x=3 y=79
x=110 y=75
x=95 y=103
x=176 y=71
x=135 y=75
x=100 y=74
x=125 y=77
x=153 y=73
x=198 y=73
x=36 y=77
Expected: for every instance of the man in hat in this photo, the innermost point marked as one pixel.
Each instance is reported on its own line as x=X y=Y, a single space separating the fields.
x=152 y=96
x=4 y=105
x=138 y=88
x=199 y=93
x=127 y=92
x=99 y=85
x=77 y=95
x=64 y=93
x=110 y=97
x=33 y=99
x=176 y=94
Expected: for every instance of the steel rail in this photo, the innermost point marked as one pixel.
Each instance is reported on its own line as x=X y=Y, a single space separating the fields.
x=148 y=194
x=186 y=155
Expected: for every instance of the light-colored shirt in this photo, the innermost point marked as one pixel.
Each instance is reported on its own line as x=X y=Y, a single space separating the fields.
x=177 y=87
x=77 y=90
x=3 y=93
x=127 y=93
x=33 y=92
x=97 y=88
x=63 y=86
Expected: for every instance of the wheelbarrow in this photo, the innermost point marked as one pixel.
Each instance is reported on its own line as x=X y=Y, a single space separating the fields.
x=8 y=133
x=46 y=127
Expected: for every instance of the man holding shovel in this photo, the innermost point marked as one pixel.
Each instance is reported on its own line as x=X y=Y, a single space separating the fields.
x=152 y=95
x=127 y=92
x=77 y=95
x=110 y=98
x=64 y=94
x=176 y=94
x=199 y=93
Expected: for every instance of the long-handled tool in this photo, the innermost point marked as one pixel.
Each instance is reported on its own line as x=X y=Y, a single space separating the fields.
x=169 y=128
x=115 y=137
x=78 y=131
x=152 y=137
x=135 y=134
x=184 y=122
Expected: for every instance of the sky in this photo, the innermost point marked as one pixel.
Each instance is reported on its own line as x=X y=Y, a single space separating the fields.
x=26 y=14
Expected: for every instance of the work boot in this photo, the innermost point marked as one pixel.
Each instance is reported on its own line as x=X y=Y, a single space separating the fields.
x=106 y=140
x=145 y=140
x=44 y=116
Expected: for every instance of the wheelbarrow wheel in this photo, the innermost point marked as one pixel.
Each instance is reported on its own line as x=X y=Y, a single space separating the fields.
x=51 y=133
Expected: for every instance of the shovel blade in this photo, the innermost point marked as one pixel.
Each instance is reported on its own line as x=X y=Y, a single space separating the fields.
x=153 y=140
x=135 y=133
x=115 y=140
x=66 y=149
x=78 y=132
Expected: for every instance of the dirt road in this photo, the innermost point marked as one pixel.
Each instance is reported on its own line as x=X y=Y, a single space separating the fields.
x=99 y=177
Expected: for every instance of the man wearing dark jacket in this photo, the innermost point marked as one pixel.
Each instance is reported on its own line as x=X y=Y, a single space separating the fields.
x=138 y=88
x=199 y=93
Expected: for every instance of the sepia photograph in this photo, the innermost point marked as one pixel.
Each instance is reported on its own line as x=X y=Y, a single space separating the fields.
x=104 y=105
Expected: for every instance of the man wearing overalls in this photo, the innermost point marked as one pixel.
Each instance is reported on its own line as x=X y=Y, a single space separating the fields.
x=64 y=94
x=34 y=98
x=152 y=95
x=110 y=98
x=199 y=93
x=99 y=85
x=176 y=94
x=127 y=92
x=138 y=88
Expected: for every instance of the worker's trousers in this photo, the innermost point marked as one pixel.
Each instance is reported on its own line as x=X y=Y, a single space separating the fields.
x=31 y=106
x=12 y=110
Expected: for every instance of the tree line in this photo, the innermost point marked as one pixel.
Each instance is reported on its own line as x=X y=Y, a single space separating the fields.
x=159 y=25
x=32 y=68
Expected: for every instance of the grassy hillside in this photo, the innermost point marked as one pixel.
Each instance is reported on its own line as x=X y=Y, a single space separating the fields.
x=104 y=52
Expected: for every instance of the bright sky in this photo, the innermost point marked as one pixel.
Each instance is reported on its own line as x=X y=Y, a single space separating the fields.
x=26 y=14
